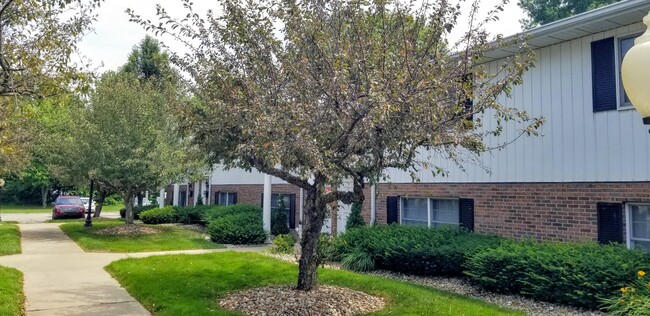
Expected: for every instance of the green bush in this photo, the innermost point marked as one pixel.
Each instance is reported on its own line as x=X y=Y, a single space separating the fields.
x=163 y=215
x=355 y=219
x=358 y=260
x=236 y=224
x=579 y=274
x=414 y=250
x=283 y=244
x=192 y=215
x=137 y=210
x=634 y=299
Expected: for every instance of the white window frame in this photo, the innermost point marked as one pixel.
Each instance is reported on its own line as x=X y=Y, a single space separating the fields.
x=620 y=91
x=401 y=209
x=227 y=200
x=628 y=223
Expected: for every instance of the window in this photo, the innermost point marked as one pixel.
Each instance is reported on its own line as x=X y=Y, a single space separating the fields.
x=286 y=198
x=227 y=198
x=624 y=45
x=429 y=212
x=638 y=226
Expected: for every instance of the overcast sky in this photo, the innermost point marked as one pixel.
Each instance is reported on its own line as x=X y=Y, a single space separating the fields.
x=109 y=45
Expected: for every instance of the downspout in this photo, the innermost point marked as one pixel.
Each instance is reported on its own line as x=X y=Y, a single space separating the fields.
x=373 y=204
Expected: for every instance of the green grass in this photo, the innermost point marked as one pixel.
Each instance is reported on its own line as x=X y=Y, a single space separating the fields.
x=11 y=292
x=193 y=285
x=48 y=209
x=9 y=239
x=170 y=238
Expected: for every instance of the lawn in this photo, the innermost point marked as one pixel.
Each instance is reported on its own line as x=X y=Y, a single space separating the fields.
x=9 y=239
x=193 y=284
x=48 y=209
x=11 y=292
x=170 y=238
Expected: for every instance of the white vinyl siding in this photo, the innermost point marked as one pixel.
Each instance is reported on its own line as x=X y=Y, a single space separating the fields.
x=430 y=212
x=575 y=144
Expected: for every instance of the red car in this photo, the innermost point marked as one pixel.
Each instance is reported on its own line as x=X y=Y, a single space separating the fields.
x=68 y=206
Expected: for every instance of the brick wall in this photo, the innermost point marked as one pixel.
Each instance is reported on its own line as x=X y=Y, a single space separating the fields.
x=545 y=211
x=252 y=194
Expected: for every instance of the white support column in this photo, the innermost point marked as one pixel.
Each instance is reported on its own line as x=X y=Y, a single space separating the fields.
x=161 y=198
x=187 y=193
x=197 y=191
x=176 y=195
x=267 y=203
x=373 y=204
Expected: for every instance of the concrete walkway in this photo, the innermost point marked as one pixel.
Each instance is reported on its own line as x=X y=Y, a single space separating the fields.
x=62 y=279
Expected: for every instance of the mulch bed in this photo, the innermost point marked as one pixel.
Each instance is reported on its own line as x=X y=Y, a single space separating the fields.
x=284 y=300
x=126 y=230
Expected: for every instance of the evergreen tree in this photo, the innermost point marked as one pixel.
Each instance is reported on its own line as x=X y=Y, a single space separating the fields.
x=355 y=219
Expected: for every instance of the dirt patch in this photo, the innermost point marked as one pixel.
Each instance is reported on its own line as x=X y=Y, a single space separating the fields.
x=284 y=300
x=126 y=230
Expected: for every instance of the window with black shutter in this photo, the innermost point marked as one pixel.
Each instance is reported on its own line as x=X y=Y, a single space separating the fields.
x=610 y=222
x=466 y=213
x=603 y=74
x=392 y=209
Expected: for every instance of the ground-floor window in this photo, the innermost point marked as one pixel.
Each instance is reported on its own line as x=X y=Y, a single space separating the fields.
x=226 y=198
x=430 y=212
x=638 y=226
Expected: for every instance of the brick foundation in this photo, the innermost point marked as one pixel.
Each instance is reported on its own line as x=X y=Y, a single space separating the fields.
x=545 y=211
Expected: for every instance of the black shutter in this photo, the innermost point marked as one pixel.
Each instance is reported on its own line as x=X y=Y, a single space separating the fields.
x=603 y=74
x=292 y=211
x=234 y=198
x=392 y=209
x=262 y=200
x=216 y=197
x=610 y=222
x=466 y=213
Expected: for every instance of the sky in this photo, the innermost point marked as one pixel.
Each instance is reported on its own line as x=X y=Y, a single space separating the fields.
x=113 y=37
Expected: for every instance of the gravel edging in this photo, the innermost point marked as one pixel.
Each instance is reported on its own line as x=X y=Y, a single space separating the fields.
x=463 y=287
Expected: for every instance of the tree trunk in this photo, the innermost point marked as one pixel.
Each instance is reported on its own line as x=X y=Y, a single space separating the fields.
x=309 y=257
x=128 y=203
x=100 y=202
x=44 y=197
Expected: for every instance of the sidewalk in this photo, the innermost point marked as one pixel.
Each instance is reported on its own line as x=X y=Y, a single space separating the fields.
x=62 y=279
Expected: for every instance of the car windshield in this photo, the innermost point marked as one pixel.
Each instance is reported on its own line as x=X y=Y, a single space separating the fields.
x=85 y=200
x=68 y=201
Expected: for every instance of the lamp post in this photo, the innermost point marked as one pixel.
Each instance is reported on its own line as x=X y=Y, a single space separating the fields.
x=635 y=72
x=89 y=221
x=2 y=185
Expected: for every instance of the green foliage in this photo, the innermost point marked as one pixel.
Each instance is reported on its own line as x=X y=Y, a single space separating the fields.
x=547 y=11
x=579 y=274
x=358 y=260
x=163 y=215
x=192 y=215
x=236 y=224
x=137 y=210
x=328 y=247
x=283 y=244
x=199 y=200
x=355 y=219
x=279 y=218
x=11 y=292
x=113 y=199
x=191 y=283
x=149 y=63
x=415 y=250
x=634 y=299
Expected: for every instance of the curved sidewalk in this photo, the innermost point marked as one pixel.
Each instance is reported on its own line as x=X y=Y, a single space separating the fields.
x=62 y=279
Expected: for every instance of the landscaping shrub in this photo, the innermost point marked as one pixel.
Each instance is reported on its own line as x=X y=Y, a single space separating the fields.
x=163 y=215
x=137 y=210
x=634 y=299
x=414 y=250
x=355 y=219
x=283 y=244
x=192 y=215
x=358 y=260
x=236 y=224
x=579 y=274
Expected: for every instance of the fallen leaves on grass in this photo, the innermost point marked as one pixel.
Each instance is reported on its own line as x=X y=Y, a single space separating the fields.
x=127 y=230
x=284 y=300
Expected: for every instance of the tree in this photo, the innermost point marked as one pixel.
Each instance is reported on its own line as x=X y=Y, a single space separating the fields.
x=355 y=219
x=37 y=40
x=317 y=92
x=131 y=138
x=148 y=62
x=541 y=12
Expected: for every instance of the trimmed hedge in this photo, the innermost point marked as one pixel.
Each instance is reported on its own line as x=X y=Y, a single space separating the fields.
x=192 y=215
x=578 y=274
x=163 y=215
x=413 y=250
x=137 y=210
x=236 y=224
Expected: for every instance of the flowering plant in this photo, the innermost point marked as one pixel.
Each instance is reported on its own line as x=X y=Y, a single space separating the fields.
x=633 y=300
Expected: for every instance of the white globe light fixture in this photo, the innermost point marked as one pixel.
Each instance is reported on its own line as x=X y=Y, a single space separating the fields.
x=635 y=71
